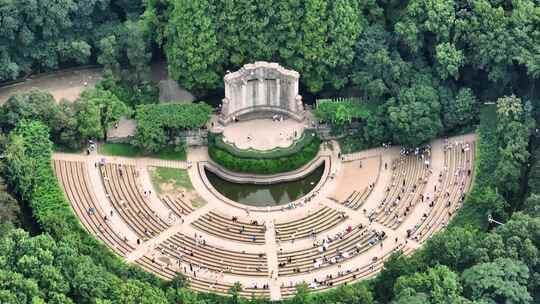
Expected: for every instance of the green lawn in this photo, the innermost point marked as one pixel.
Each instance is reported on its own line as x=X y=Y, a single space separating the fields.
x=170 y=154
x=64 y=149
x=127 y=150
x=170 y=179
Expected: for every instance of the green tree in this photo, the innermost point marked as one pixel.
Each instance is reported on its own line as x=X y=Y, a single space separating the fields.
x=459 y=111
x=513 y=124
x=235 y=291
x=10 y=211
x=33 y=105
x=414 y=117
x=533 y=181
x=137 y=46
x=449 y=60
x=40 y=105
x=378 y=71
x=410 y=296
x=532 y=205
x=312 y=45
x=66 y=130
x=454 y=248
x=192 y=48
x=397 y=265
x=347 y=294
x=345 y=24
x=17 y=171
x=489 y=45
x=45 y=35
x=341 y=113
x=79 y=51
x=521 y=239
x=111 y=109
x=88 y=116
x=426 y=22
x=302 y=295
x=246 y=30
x=137 y=292
x=109 y=54
x=490 y=202
x=440 y=283
x=161 y=124
x=501 y=281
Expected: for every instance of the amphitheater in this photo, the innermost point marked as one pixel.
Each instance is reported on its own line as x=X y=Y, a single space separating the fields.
x=366 y=206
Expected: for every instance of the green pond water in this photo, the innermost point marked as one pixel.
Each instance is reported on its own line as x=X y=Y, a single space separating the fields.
x=266 y=195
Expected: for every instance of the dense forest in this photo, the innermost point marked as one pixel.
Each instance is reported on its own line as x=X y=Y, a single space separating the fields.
x=421 y=69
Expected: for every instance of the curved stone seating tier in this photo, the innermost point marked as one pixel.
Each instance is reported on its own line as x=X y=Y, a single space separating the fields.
x=357 y=198
x=412 y=198
x=213 y=248
x=347 y=276
x=346 y=246
x=197 y=282
x=322 y=220
x=74 y=179
x=222 y=226
x=125 y=195
x=176 y=204
x=408 y=182
x=189 y=250
x=453 y=184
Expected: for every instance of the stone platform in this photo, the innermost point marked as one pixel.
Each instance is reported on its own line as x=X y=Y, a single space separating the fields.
x=263 y=134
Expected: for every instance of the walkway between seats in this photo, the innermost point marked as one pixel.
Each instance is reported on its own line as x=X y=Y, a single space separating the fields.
x=163 y=236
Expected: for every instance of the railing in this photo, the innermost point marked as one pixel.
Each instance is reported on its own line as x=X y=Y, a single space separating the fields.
x=338 y=99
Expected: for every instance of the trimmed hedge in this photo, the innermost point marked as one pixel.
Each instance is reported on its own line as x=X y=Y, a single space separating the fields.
x=158 y=124
x=307 y=137
x=262 y=165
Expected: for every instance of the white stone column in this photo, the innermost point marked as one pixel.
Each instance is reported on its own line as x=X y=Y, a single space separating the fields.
x=227 y=89
x=244 y=94
x=277 y=97
x=292 y=95
x=260 y=92
x=234 y=96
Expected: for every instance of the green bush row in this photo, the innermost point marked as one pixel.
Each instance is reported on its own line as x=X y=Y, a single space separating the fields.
x=158 y=125
x=307 y=137
x=262 y=165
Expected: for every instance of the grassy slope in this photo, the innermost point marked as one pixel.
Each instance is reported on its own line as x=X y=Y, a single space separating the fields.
x=177 y=177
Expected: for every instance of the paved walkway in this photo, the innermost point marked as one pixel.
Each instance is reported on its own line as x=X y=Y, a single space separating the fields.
x=339 y=172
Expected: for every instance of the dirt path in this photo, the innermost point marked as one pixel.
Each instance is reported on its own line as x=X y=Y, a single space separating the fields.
x=66 y=84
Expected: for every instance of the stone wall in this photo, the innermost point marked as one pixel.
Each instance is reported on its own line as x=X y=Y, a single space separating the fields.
x=261 y=87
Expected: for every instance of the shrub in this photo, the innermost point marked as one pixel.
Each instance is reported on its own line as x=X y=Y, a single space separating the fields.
x=158 y=124
x=307 y=137
x=264 y=165
x=131 y=94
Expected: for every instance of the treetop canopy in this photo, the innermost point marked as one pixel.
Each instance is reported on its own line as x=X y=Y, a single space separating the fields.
x=171 y=115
